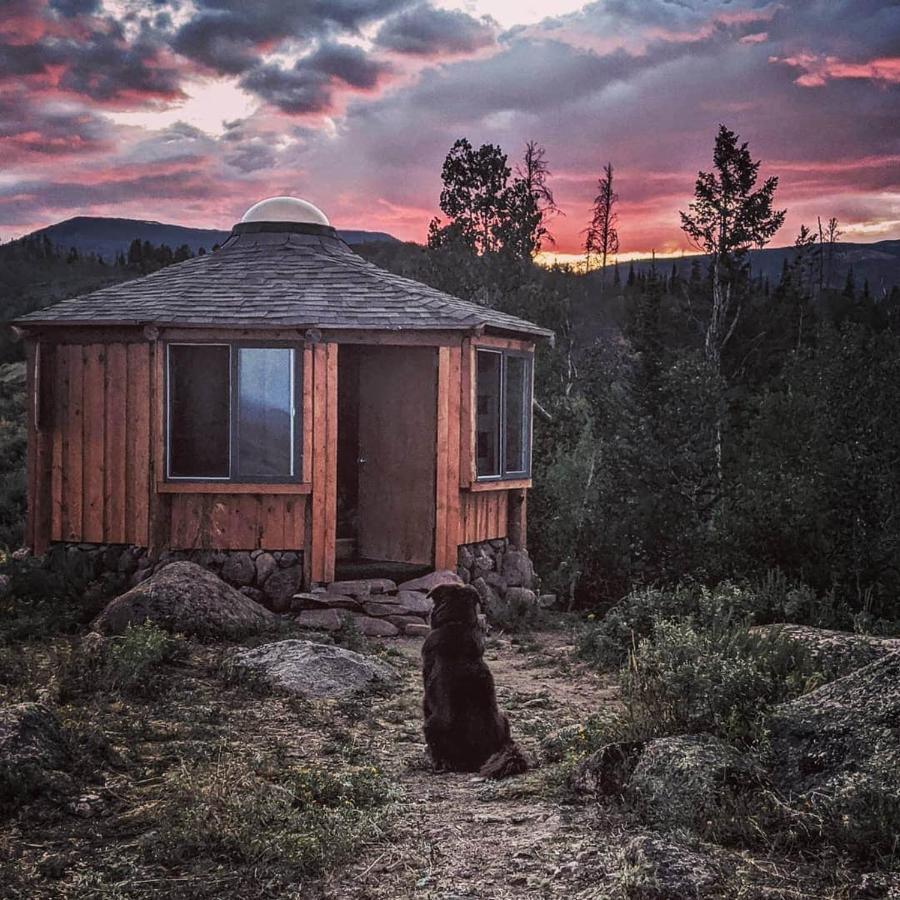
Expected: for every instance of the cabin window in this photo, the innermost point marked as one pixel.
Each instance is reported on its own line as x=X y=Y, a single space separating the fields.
x=502 y=414
x=232 y=412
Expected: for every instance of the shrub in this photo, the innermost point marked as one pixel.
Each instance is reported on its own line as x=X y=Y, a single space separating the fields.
x=263 y=813
x=130 y=663
x=721 y=679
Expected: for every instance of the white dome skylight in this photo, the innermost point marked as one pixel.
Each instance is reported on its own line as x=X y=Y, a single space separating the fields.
x=285 y=209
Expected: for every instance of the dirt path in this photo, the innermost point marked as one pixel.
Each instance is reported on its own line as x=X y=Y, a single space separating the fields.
x=461 y=837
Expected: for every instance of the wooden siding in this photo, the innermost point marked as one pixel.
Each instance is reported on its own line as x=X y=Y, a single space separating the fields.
x=323 y=510
x=484 y=516
x=237 y=522
x=97 y=429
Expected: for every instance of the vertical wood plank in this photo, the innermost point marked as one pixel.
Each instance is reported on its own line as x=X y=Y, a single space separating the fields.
x=94 y=441
x=272 y=529
x=320 y=398
x=442 y=459
x=116 y=482
x=453 y=456
x=57 y=477
x=331 y=438
x=466 y=418
x=31 y=445
x=158 y=509
x=308 y=414
x=74 y=456
x=294 y=523
x=138 y=486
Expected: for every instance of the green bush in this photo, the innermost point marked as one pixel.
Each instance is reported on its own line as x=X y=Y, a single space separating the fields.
x=263 y=813
x=720 y=679
x=130 y=663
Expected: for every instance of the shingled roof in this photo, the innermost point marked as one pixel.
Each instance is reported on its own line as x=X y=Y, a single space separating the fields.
x=279 y=274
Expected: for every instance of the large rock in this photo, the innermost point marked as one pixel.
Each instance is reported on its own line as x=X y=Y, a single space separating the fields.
x=321 y=619
x=656 y=868
x=372 y=627
x=186 y=598
x=430 y=581
x=836 y=652
x=322 y=600
x=363 y=587
x=683 y=781
x=314 y=671
x=33 y=750
x=841 y=741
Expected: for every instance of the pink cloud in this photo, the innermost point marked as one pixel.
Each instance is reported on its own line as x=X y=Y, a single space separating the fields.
x=818 y=70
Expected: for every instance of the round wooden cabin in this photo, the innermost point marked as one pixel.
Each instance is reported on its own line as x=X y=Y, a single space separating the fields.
x=280 y=394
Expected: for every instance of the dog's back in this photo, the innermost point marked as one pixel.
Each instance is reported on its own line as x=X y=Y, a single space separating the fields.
x=464 y=727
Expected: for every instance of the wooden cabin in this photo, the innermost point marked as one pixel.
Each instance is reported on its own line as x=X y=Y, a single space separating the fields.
x=284 y=394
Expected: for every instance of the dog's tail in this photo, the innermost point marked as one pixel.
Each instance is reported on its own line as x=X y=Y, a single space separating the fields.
x=509 y=760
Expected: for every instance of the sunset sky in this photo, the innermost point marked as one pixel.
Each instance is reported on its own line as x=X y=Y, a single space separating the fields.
x=189 y=112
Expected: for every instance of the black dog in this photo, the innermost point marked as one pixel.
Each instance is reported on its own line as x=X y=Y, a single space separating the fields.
x=464 y=728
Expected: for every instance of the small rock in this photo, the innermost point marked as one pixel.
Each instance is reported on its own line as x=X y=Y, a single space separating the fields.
x=517 y=569
x=281 y=586
x=239 y=569
x=266 y=564
x=288 y=558
x=323 y=600
x=430 y=581
x=482 y=566
x=401 y=622
x=371 y=627
x=320 y=619
x=547 y=601
x=465 y=556
x=416 y=630
x=363 y=587
x=605 y=772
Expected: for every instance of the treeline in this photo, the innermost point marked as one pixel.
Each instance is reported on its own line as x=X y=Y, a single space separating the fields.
x=35 y=272
x=703 y=427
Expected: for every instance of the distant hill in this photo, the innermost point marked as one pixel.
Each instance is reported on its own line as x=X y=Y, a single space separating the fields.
x=108 y=236
x=879 y=263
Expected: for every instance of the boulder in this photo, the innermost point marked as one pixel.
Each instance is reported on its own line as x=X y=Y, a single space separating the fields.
x=517 y=569
x=281 y=586
x=239 y=569
x=490 y=599
x=372 y=627
x=655 y=868
x=314 y=671
x=837 y=652
x=836 y=749
x=186 y=598
x=430 y=581
x=363 y=587
x=33 y=750
x=320 y=619
x=682 y=781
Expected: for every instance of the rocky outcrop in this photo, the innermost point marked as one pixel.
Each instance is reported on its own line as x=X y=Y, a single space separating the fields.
x=313 y=671
x=186 y=598
x=836 y=652
x=837 y=749
x=33 y=751
x=683 y=781
x=504 y=578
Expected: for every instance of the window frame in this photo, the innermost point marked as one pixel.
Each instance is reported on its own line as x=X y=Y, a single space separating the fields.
x=527 y=425
x=234 y=346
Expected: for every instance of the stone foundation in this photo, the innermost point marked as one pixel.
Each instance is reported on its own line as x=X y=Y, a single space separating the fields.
x=503 y=576
x=269 y=577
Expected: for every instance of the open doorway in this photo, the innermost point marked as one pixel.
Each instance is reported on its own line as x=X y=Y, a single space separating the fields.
x=387 y=427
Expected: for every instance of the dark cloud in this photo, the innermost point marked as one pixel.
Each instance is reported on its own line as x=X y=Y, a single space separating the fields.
x=70 y=9
x=309 y=86
x=228 y=35
x=17 y=60
x=427 y=31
